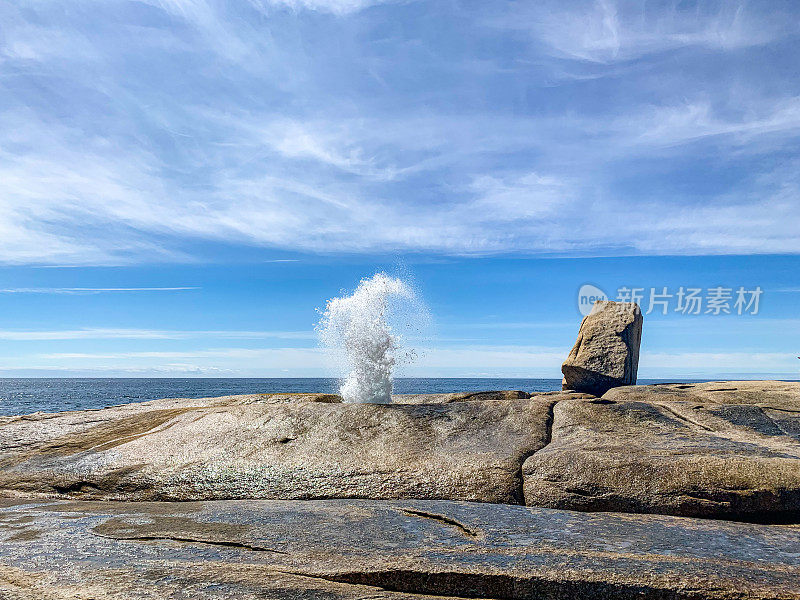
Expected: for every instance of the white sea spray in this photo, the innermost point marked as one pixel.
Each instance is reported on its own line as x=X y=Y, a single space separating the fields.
x=365 y=331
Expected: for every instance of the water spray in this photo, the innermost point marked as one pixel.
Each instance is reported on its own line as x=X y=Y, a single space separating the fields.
x=365 y=331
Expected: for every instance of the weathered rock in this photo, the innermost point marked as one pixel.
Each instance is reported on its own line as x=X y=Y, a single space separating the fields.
x=606 y=354
x=482 y=396
x=351 y=549
x=726 y=450
x=723 y=450
x=778 y=395
x=446 y=398
x=254 y=447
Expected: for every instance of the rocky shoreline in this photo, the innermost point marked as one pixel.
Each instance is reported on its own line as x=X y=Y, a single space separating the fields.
x=390 y=550
x=662 y=491
x=728 y=450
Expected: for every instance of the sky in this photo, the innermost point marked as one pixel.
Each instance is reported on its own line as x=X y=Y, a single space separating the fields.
x=183 y=183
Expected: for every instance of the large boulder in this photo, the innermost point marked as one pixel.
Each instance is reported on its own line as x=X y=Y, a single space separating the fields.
x=727 y=450
x=383 y=550
x=606 y=354
x=272 y=447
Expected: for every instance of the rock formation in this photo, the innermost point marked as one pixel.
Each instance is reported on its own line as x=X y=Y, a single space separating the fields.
x=723 y=450
x=726 y=450
x=382 y=550
x=267 y=448
x=606 y=354
x=391 y=521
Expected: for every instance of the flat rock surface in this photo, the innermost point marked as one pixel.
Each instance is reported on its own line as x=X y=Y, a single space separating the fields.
x=724 y=450
x=276 y=446
x=348 y=549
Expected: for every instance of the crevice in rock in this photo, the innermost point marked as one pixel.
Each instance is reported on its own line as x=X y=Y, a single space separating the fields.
x=74 y=487
x=788 y=410
x=580 y=492
x=335 y=579
x=442 y=519
x=519 y=494
x=774 y=422
x=128 y=438
x=681 y=417
x=364 y=579
x=470 y=395
x=497 y=586
x=190 y=540
x=741 y=505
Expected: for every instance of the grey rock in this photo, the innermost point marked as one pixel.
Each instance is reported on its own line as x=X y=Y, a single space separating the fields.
x=459 y=397
x=606 y=354
x=254 y=447
x=728 y=450
x=482 y=396
x=360 y=549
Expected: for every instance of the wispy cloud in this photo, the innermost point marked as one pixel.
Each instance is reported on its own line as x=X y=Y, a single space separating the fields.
x=339 y=7
x=90 y=290
x=606 y=31
x=148 y=334
x=465 y=361
x=217 y=353
x=313 y=133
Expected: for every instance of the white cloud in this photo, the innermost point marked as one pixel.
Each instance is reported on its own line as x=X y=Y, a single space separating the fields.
x=302 y=362
x=218 y=353
x=90 y=207
x=90 y=290
x=339 y=7
x=455 y=361
x=606 y=31
x=655 y=364
x=147 y=334
x=673 y=125
x=266 y=148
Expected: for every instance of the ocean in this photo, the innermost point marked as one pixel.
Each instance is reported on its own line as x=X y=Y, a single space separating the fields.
x=28 y=395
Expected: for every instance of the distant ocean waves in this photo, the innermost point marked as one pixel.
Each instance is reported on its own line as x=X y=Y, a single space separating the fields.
x=28 y=395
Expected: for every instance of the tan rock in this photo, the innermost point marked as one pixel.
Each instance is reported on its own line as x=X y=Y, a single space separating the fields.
x=728 y=450
x=249 y=448
x=606 y=354
x=723 y=450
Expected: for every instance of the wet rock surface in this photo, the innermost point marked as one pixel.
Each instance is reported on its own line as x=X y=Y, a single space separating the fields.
x=348 y=549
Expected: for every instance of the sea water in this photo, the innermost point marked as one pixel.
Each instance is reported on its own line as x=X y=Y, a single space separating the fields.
x=20 y=396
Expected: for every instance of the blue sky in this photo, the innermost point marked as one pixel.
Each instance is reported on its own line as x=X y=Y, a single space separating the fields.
x=183 y=182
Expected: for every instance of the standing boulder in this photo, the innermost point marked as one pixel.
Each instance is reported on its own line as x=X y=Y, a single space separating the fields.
x=606 y=354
